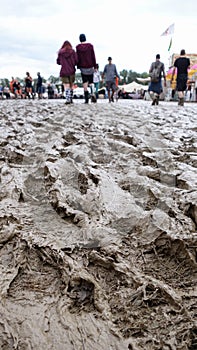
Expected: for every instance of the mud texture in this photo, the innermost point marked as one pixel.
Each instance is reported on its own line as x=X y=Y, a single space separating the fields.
x=98 y=226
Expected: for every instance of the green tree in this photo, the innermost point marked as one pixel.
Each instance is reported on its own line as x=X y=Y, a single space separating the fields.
x=124 y=74
x=53 y=80
x=5 y=82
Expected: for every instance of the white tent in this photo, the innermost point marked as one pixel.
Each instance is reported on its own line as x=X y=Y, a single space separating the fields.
x=133 y=87
x=143 y=80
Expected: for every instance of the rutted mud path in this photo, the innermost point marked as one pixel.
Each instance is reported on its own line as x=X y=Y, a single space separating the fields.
x=98 y=244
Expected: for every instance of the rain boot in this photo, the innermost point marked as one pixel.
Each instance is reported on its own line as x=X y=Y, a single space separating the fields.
x=93 y=96
x=71 y=96
x=156 y=99
x=67 y=93
x=181 y=101
x=152 y=96
x=86 y=93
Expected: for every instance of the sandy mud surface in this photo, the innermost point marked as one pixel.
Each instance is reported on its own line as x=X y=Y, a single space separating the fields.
x=98 y=226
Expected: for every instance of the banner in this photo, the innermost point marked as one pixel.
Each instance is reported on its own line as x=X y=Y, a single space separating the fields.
x=169 y=30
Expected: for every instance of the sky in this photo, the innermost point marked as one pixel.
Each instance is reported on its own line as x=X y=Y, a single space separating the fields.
x=129 y=31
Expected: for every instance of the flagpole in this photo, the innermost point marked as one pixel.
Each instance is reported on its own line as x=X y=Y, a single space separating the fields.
x=168 y=31
x=169 y=48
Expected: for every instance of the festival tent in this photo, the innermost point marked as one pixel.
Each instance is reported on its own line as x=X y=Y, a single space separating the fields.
x=169 y=73
x=144 y=80
x=133 y=86
x=193 y=70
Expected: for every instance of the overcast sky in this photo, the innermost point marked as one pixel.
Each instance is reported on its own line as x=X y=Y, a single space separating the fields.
x=129 y=31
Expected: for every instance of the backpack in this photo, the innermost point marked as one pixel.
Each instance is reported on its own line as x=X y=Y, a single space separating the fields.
x=156 y=70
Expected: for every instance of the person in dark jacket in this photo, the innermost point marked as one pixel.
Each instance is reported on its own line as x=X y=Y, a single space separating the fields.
x=182 y=64
x=86 y=64
x=67 y=58
x=28 y=85
x=39 y=86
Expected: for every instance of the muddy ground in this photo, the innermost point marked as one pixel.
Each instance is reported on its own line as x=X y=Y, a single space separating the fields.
x=98 y=218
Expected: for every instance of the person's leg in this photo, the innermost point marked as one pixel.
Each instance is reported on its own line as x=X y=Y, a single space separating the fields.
x=86 y=93
x=85 y=87
x=112 y=95
x=181 y=88
x=67 y=92
x=159 y=90
x=96 y=86
x=93 y=95
x=40 y=95
x=91 y=85
x=114 y=88
x=108 y=86
x=71 y=93
x=156 y=99
x=30 y=92
x=181 y=98
x=72 y=80
x=152 y=96
x=109 y=95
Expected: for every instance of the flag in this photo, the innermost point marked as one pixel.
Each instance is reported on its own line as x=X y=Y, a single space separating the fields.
x=170 y=45
x=169 y=30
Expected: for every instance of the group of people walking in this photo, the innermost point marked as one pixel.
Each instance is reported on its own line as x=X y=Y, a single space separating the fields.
x=85 y=60
x=157 y=71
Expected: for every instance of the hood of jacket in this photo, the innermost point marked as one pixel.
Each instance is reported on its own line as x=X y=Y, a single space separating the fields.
x=83 y=47
x=66 y=52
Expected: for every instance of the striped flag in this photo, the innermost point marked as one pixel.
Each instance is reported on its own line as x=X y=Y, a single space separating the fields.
x=169 y=30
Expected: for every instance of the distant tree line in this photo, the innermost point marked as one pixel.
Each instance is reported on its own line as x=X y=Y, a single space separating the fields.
x=127 y=77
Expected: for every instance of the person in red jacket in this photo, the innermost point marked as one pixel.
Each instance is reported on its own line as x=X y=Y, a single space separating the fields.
x=86 y=64
x=67 y=58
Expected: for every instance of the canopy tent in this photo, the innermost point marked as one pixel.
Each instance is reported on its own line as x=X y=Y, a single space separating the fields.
x=144 y=80
x=133 y=86
x=169 y=73
x=193 y=72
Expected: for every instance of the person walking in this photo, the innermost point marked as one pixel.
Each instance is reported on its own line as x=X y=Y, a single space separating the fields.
x=12 y=85
x=39 y=86
x=28 y=85
x=86 y=64
x=96 y=79
x=110 y=74
x=67 y=58
x=182 y=64
x=156 y=71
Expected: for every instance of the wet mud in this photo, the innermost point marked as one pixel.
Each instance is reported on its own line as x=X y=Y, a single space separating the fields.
x=98 y=226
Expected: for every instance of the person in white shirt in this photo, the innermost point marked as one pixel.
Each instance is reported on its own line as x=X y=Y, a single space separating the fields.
x=96 y=79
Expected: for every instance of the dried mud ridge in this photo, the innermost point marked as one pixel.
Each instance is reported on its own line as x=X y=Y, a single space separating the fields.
x=98 y=245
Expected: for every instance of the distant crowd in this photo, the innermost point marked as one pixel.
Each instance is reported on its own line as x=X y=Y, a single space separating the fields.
x=30 y=89
x=38 y=89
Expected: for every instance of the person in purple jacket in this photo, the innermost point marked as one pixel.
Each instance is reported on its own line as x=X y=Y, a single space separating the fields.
x=86 y=64
x=67 y=58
